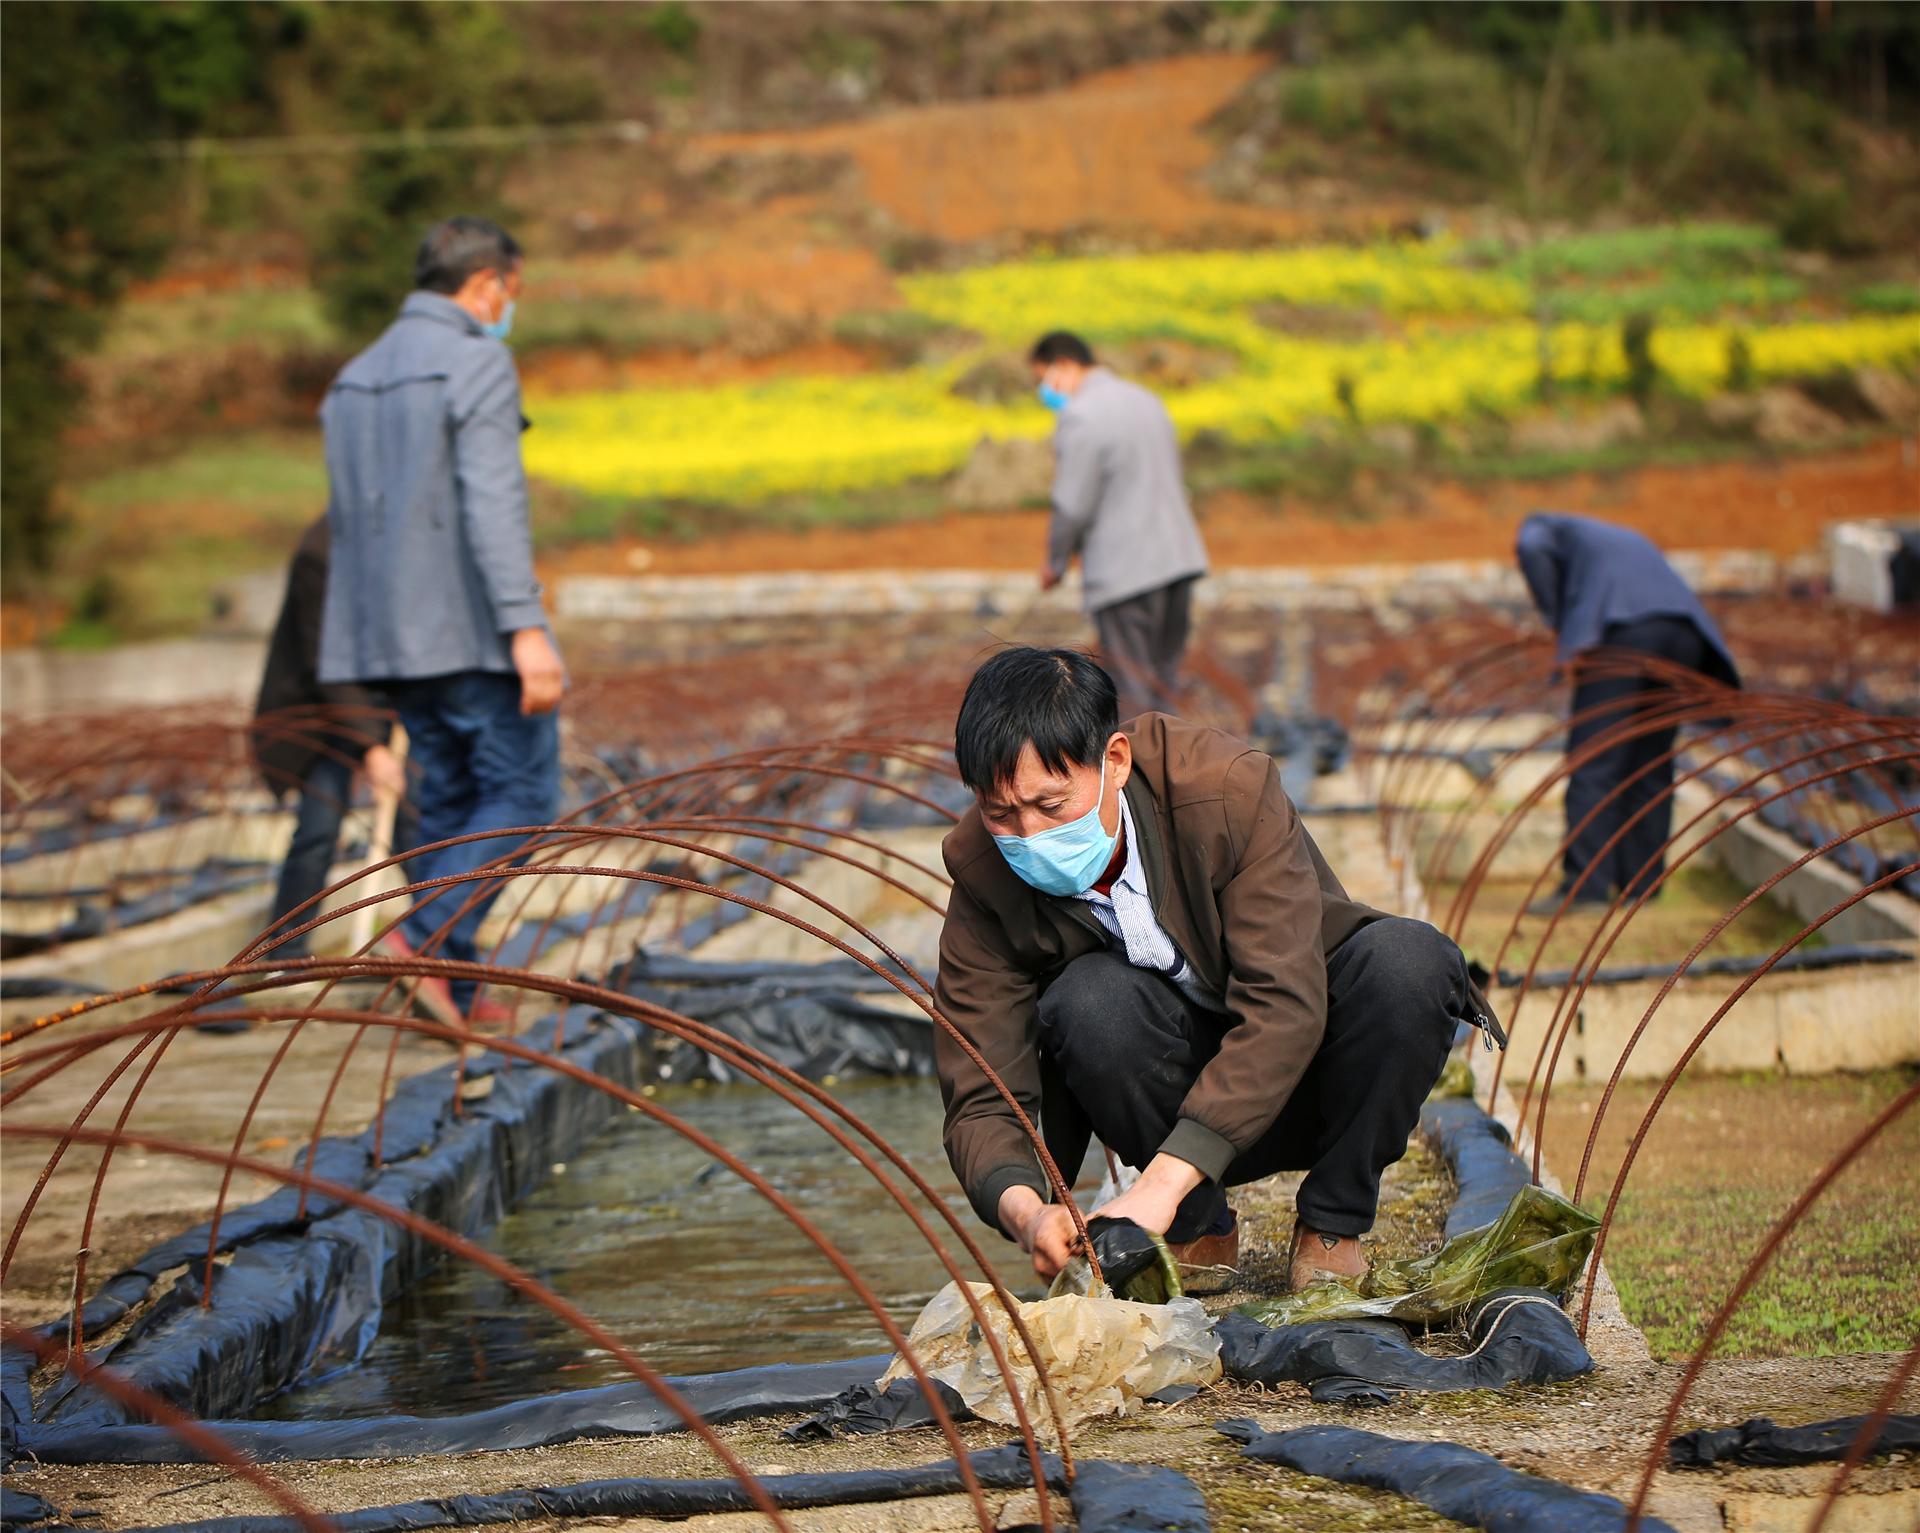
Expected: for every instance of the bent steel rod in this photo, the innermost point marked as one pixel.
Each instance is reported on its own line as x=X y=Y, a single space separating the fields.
x=783 y=1081
x=1686 y=1057
x=1869 y=1433
x=1606 y=936
x=1558 y=1038
x=1743 y=743
x=209 y=1444
x=458 y=1245
x=1567 y=1008
x=1657 y=1451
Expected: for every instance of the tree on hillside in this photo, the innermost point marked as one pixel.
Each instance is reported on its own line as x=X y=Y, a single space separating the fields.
x=431 y=69
x=89 y=92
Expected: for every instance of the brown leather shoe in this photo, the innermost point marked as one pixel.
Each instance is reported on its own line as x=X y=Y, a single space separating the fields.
x=1210 y=1264
x=1315 y=1258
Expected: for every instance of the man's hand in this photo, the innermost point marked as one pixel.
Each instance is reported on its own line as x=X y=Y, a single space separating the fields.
x=1050 y=577
x=1154 y=1199
x=1044 y=1230
x=385 y=771
x=542 y=677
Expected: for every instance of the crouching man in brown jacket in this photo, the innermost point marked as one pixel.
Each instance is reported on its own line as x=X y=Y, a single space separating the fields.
x=1146 y=945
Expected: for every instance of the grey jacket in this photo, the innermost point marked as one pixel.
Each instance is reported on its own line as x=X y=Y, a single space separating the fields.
x=1118 y=499
x=1587 y=576
x=427 y=499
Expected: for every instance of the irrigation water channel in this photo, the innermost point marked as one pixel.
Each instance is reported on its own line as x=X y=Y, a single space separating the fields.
x=680 y=1258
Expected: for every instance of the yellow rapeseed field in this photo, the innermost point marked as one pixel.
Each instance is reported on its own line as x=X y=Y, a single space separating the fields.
x=1449 y=339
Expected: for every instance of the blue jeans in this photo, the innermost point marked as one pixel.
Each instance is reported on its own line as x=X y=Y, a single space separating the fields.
x=326 y=793
x=480 y=765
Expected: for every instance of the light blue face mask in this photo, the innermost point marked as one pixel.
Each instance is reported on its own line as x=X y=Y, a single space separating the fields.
x=1064 y=859
x=1052 y=398
x=502 y=327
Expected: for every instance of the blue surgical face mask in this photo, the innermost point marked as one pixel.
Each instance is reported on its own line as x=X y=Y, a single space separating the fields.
x=502 y=327
x=1051 y=397
x=1064 y=859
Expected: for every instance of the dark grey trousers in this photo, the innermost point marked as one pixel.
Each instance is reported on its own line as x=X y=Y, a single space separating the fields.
x=1633 y=765
x=1128 y=1046
x=1142 y=640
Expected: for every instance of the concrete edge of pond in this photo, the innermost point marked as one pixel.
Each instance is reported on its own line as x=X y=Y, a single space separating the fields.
x=310 y=1284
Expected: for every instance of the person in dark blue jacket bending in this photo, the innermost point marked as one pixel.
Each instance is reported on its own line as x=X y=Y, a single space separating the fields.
x=1606 y=587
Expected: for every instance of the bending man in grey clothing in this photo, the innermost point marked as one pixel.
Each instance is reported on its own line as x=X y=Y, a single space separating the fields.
x=432 y=593
x=1120 y=505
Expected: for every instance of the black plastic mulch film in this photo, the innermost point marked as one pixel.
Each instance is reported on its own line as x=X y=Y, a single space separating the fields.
x=1516 y=1336
x=295 y=1301
x=99 y=911
x=304 y=1295
x=1467 y=1486
x=996 y=1469
x=305 y=1291
x=1136 y=1498
x=1106 y=1498
x=627 y=1409
x=1761 y=1444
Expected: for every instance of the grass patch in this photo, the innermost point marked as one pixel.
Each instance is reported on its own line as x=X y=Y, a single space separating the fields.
x=1725 y=1159
x=150 y=544
x=1676 y=299
x=902 y=335
x=1316 y=468
x=1886 y=298
x=580 y=306
x=1670 y=251
x=276 y=476
x=1689 y=903
x=564 y=518
x=612 y=323
x=279 y=321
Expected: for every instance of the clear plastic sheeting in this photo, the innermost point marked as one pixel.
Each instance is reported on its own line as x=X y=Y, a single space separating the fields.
x=1104 y=1355
x=1541 y=1241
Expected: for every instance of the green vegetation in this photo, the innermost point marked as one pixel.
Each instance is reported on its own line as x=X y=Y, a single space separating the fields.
x=1886 y=298
x=433 y=67
x=1285 y=366
x=99 y=96
x=1578 y=109
x=1726 y=1158
x=276 y=320
x=1844 y=1285
x=1690 y=901
x=1689 y=250
x=161 y=538
x=84 y=210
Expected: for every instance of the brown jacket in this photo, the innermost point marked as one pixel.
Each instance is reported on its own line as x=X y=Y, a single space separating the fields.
x=1247 y=898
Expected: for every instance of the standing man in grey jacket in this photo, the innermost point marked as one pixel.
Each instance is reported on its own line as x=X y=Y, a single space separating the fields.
x=1119 y=504
x=432 y=593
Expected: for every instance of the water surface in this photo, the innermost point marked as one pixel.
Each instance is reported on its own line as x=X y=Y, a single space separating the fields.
x=678 y=1257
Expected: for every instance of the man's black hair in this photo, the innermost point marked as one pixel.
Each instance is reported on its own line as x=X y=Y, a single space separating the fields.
x=456 y=248
x=1057 y=700
x=1061 y=346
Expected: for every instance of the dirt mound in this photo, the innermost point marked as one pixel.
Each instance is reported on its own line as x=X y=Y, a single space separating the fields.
x=1122 y=150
